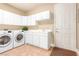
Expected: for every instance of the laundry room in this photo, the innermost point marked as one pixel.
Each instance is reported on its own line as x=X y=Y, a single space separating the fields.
x=24 y=28
x=38 y=29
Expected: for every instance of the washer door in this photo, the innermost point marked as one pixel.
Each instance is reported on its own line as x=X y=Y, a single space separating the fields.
x=4 y=40
x=19 y=37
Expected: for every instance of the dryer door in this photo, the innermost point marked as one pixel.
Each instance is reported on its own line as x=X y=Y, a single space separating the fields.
x=19 y=37
x=4 y=40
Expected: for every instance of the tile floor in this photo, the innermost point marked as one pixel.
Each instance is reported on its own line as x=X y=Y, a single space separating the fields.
x=27 y=50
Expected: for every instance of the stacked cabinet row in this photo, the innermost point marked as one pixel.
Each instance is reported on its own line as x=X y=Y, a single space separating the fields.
x=14 y=19
x=39 y=39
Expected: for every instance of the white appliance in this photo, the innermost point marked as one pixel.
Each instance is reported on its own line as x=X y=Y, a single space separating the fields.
x=6 y=40
x=18 y=38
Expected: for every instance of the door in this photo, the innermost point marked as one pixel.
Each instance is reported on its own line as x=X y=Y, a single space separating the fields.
x=65 y=25
x=58 y=20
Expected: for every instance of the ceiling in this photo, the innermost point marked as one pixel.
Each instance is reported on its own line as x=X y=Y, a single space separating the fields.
x=28 y=6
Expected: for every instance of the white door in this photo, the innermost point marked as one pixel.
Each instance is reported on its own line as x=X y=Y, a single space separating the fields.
x=58 y=21
x=65 y=25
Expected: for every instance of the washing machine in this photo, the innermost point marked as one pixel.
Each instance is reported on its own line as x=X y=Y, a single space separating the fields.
x=6 y=40
x=18 y=38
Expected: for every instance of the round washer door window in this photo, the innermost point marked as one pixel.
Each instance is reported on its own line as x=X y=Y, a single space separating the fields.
x=19 y=37
x=4 y=40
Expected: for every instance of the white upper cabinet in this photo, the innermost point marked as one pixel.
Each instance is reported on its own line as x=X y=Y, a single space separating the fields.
x=18 y=20
x=42 y=16
x=10 y=18
x=7 y=18
x=14 y=19
x=29 y=21
x=24 y=20
x=32 y=20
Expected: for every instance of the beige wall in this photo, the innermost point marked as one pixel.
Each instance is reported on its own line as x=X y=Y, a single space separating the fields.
x=10 y=27
x=43 y=26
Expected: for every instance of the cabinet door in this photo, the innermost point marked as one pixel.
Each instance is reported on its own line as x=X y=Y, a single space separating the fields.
x=36 y=39
x=14 y=20
x=29 y=37
x=11 y=19
x=24 y=20
x=33 y=21
x=45 y=15
x=19 y=20
x=7 y=18
x=28 y=21
x=44 y=40
x=42 y=16
x=37 y=16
